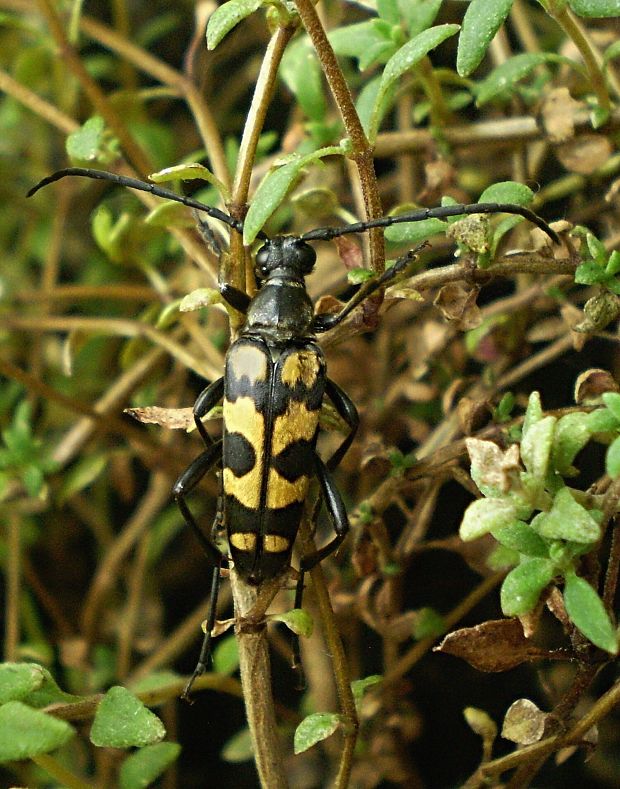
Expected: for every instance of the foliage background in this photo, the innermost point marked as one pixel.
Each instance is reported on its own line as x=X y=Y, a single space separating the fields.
x=103 y=584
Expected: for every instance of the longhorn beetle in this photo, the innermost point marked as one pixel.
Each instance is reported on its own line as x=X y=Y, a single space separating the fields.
x=272 y=389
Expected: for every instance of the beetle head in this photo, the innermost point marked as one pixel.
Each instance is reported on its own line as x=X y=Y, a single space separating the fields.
x=288 y=255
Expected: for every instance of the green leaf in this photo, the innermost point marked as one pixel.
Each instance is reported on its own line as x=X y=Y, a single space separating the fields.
x=505 y=77
x=301 y=71
x=418 y=14
x=483 y=515
x=142 y=768
x=155 y=681
x=357 y=276
x=520 y=536
x=26 y=733
x=536 y=446
x=571 y=435
x=85 y=142
x=612 y=401
x=273 y=188
x=595 y=8
x=588 y=614
x=189 y=172
x=429 y=623
x=533 y=412
x=360 y=686
x=226 y=17
x=411 y=54
x=298 y=620
x=169 y=214
x=315 y=728
x=239 y=748
x=17 y=680
x=523 y=585
x=612 y=459
x=356 y=41
x=567 y=520
x=612 y=52
x=85 y=471
x=481 y=22
x=46 y=691
x=226 y=656
x=507 y=192
x=371 y=111
x=388 y=10
x=415 y=232
x=122 y=721
x=602 y=421
x=590 y=273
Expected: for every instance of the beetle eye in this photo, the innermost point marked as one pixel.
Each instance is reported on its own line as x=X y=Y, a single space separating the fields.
x=262 y=255
x=261 y=260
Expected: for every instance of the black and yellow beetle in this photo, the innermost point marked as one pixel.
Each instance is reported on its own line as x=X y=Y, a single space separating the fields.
x=272 y=390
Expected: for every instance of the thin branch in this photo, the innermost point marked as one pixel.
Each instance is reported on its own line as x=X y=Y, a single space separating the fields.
x=362 y=153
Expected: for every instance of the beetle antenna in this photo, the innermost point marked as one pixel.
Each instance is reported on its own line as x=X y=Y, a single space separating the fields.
x=141 y=186
x=438 y=212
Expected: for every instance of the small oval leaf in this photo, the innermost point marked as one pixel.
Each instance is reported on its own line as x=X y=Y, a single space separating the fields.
x=315 y=728
x=588 y=613
x=298 y=620
x=481 y=22
x=483 y=515
x=26 y=733
x=523 y=585
x=122 y=721
x=143 y=767
x=226 y=17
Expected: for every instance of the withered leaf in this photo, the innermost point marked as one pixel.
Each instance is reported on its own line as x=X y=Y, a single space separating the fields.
x=174 y=418
x=558 y=113
x=524 y=723
x=457 y=303
x=584 y=154
x=492 y=466
x=591 y=384
x=496 y=645
x=349 y=252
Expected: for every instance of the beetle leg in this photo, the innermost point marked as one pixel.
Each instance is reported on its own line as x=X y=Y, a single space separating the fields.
x=205 y=650
x=337 y=514
x=235 y=297
x=206 y=400
x=184 y=486
x=327 y=321
x=340 y=521
x=345 y=408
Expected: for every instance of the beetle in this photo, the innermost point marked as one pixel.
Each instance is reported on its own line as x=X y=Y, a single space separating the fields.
x=272 y=389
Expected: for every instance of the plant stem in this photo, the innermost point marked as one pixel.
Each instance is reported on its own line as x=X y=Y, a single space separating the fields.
x=340 y=667
x=133 y=151
x=263 y=94
x=362 y=153
x=255 y=670
x=13 y=583
x=591 y=58
x=64 y=777
x=161 y=71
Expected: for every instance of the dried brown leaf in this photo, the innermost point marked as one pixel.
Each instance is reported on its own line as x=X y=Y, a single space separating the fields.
x=350 y=252
x=473 y=414
x=173 y=418
x=592 y=383
x=584 y=154
x=496 y=645
x=457 y=302
x=558 y=115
